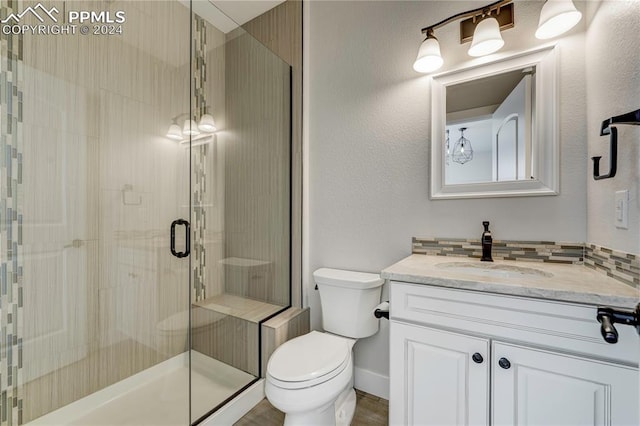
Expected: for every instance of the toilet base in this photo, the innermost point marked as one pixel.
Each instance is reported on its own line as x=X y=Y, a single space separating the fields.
x=339 y=413
x=345 y=407
x=321 y=417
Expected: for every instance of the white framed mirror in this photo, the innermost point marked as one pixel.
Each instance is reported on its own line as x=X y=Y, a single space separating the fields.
x=494 y=130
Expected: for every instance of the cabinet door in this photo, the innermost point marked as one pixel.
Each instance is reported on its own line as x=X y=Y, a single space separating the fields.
x=434 y=379
x=537 y=387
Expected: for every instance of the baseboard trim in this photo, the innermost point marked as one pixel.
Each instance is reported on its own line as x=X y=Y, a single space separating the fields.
x=371 y=382
x=237 y=407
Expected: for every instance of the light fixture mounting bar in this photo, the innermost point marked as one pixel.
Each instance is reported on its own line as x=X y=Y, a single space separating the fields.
x=469 y=14
x=504 y=16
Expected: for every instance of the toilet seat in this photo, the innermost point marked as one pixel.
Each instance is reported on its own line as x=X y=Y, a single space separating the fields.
x=308 y=360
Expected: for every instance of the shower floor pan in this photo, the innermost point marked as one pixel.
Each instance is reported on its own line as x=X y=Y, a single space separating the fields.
x=157 y=396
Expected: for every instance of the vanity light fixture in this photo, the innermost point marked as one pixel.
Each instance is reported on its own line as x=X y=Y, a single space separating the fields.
x=189 y=128
x=486 y=37
x=462 y=150
x=556 y=18
x=207 y=124
x=481 y=26
x=175 y=132
x=429 y=57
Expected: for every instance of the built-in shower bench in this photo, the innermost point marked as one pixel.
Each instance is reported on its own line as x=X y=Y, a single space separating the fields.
x=227 y=327
x=240 y=307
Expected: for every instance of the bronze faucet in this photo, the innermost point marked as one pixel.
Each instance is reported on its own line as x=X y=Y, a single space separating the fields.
x=487 y=241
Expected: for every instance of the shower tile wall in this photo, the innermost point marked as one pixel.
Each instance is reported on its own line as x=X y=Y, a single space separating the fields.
x=280 y=30
x=257 y=172
x=101 y=185
x=11 y=219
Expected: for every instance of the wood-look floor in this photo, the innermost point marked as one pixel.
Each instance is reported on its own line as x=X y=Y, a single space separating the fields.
x=370 y=411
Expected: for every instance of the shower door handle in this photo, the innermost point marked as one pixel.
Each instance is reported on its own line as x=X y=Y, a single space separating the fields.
x=187 y=248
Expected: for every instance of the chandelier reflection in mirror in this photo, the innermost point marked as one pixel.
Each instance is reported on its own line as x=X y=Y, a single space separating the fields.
x=447 y=149
x=462 y=150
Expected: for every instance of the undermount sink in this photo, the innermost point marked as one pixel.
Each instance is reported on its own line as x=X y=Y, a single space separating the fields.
x=494 y=269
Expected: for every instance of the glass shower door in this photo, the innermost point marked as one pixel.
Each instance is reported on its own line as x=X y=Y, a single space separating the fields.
x=114 y=125
x=94 y=308
x=241 y=203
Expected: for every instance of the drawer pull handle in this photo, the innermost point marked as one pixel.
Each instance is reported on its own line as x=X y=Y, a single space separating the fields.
x=504 y=363
x=477 y=358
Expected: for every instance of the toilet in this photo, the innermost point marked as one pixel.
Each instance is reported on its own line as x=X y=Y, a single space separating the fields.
x=310 y=378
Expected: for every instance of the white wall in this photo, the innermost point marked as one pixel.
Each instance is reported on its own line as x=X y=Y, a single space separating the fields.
x=368 y=144
x=480 y=169
x=612 y=63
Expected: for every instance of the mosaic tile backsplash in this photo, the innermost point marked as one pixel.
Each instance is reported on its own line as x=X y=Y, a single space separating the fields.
x=623 y=267
x=532 y=251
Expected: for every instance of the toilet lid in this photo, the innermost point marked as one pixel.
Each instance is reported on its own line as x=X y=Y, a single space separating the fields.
x=309 y=357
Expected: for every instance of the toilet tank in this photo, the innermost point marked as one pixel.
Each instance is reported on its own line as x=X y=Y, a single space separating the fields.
x=348 y=300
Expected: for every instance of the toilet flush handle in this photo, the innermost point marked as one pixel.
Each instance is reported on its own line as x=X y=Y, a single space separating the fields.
x=382 y=310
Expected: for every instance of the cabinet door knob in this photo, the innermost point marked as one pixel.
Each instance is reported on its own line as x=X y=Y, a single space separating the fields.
x=477 y=358
x=504 y=363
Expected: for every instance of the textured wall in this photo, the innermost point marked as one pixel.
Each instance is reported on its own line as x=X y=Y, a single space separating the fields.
x=613 y=88
x=369 y=127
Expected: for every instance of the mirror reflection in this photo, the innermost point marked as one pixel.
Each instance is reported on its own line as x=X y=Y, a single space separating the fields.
x=488 y=133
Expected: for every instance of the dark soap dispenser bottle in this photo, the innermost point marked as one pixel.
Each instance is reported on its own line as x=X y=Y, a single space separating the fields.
x=487 y=242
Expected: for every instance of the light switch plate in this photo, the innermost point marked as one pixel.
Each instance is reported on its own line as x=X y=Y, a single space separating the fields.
x=621 y=211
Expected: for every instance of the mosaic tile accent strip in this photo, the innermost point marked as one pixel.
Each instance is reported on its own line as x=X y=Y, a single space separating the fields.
x=199 y=160
x=624 y=267
x=11 y=263
x=528 y=251
x=199 y=66
x=199 y=219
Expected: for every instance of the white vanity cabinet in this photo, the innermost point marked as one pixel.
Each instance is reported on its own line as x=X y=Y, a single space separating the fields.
x=551 y=388
x=434 y=380
x=470 y=358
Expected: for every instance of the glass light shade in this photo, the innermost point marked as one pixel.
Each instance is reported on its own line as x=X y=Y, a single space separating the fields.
x=486 y=38
x=429 y=58
x=190 y=128
x=462 y=150
x=174 y=132
x=207 y=124
x=557 y=17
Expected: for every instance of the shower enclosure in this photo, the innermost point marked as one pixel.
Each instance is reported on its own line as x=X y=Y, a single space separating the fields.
x=144 y=210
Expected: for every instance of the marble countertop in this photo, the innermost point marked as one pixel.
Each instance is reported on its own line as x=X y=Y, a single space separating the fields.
x=567 y=283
